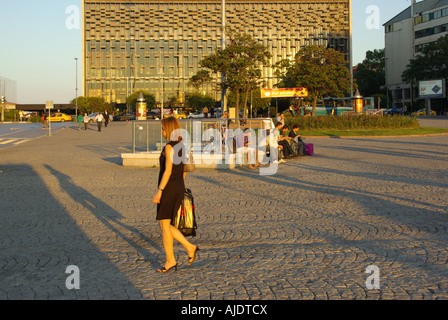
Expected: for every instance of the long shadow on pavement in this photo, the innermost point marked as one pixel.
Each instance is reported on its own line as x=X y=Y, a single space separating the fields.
x=39 y=240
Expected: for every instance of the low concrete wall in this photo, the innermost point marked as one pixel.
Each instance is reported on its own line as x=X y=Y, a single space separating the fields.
x=151 y=160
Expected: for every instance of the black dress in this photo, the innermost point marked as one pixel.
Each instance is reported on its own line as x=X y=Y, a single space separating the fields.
x=174 y=191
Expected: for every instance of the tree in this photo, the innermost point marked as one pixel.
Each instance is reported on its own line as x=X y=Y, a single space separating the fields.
x=91 y=104
x=198 y=101
x=240 y=61
x=201 y=78
x=430 y=63
x=149 y=98
x=370 y=75
x=259 y=104
x=322 y=71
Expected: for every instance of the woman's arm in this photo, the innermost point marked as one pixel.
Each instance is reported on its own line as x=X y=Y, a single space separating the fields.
x=166 y=175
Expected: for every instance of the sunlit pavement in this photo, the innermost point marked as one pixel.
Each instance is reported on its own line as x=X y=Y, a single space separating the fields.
x=311 y=231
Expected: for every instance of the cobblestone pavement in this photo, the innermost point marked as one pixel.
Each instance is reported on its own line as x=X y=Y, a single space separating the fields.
x=308 y=232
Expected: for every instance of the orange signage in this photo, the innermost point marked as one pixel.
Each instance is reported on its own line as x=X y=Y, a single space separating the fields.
x=284 y=93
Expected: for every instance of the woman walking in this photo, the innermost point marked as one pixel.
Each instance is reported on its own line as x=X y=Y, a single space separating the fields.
x=170 y=194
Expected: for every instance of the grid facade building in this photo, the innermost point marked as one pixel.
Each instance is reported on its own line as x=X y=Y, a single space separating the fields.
x=8 y=89
x=156 y=46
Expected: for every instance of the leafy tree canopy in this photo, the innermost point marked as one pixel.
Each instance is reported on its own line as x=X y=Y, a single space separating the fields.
x=370 y=75
x=92 y=104
x=430 y=63
x=240 y=61
x=322 y=71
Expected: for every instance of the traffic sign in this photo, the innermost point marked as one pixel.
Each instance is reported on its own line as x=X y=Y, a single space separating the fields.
x=49 y=105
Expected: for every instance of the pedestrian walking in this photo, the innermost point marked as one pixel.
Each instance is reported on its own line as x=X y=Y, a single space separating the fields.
x=106 y=118
x=86 y=121
x=79 y=120
x=44 y=121
x=99 y=120
x=171 y=192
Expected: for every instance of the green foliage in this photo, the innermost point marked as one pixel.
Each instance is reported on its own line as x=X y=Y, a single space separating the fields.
x=201 y=78
x=430 y=63
x=240 y=61
x=370 y=75
x=352 y=122
x=198 y=101
x=322 y=71
x=91 y=104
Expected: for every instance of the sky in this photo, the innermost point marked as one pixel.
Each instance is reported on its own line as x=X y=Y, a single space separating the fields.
x=39 y=41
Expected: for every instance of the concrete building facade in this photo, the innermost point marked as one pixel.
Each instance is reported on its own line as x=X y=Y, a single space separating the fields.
x=405 y=35
x=156 y=46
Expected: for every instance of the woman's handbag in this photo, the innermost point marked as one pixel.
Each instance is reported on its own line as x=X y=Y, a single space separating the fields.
x=189 y=166
x=185 y=218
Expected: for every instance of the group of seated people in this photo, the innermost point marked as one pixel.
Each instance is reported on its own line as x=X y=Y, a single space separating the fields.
x=291 y=144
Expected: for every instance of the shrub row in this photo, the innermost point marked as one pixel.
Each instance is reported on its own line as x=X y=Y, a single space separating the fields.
x=352 y=122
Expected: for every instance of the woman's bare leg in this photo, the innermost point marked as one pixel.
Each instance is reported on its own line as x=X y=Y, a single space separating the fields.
x=168 y=243
x=182 y=240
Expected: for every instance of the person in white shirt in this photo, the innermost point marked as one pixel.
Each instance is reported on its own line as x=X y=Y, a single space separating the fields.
x=281 y=119
x=99 y=120
x=85 y=120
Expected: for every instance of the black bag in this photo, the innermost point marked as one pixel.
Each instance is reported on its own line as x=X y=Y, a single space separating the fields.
x=185 y=218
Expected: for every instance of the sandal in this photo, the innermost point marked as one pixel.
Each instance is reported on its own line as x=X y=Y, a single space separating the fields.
x=190 y=262
x=165 y=270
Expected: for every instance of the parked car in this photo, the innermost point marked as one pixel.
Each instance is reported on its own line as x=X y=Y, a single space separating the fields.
x=92 y=116
x=152 y=115
x=60 y=117
x=124 y=117
x=422 y=113
x=197 y=114
x=180 y=116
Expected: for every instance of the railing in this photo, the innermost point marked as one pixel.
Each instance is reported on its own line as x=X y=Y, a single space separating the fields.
x=147 y=137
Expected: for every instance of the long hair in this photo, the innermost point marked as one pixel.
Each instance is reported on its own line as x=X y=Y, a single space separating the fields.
x=170 y=125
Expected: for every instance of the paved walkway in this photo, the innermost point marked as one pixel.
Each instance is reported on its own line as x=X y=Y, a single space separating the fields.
x=308 y=232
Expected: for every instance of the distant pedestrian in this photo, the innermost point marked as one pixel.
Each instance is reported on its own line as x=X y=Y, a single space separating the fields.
x=106 y=118
x=281 y=118
x=86 y=121
x=99 y=120
x=205 y=112
x=44 y=121
x=79 y=120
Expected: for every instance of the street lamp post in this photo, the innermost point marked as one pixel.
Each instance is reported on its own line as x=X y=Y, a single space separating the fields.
x=76 y=87
x=223 y=46
x=162 y=76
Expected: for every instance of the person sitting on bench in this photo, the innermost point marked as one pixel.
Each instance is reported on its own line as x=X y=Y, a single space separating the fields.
x=297 y=138
x=283 y=142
